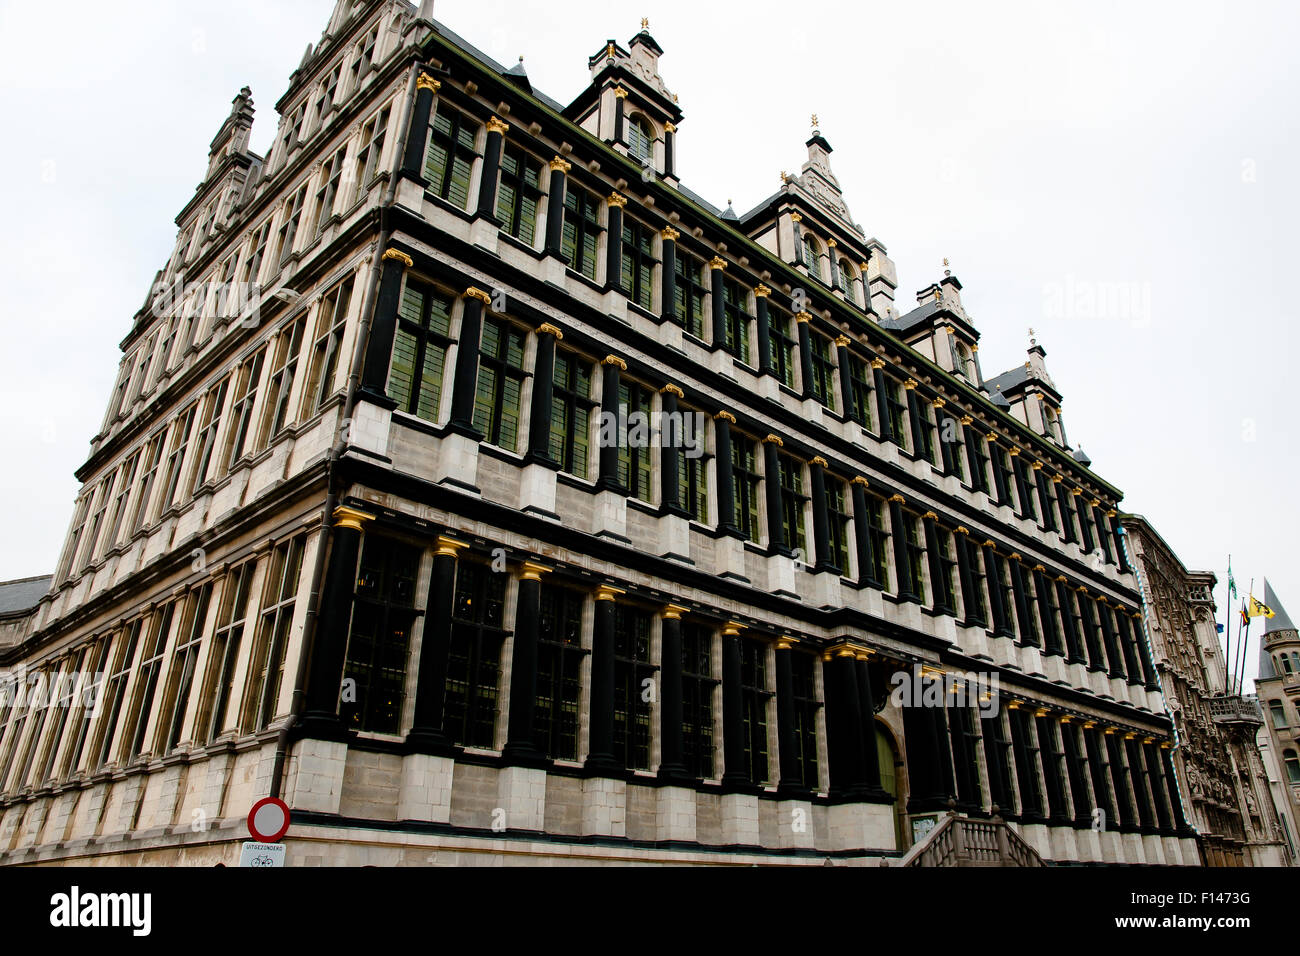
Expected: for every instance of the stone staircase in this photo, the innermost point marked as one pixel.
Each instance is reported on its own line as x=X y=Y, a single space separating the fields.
x=963 y=841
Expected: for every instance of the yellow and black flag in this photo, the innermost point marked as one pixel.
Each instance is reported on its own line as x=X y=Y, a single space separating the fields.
x=1259 y=609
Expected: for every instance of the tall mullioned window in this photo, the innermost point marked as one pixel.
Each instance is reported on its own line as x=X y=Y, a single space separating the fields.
x=146 y=683
x=837 y=507
x=580 y=240
x=226 y=642
x=449 y=160
x=383 y=613
x=180 y=678
x=474 y=664
x=571 y=406
x=812 y=258
x=897 y=413
x=559 y=673
x=805 y=718
x=519 y=195
x=633 y=674
x=745 y=479
x=915 y=554
x=859 y=391
x=737 y=318
x=699 y=688
x=180 y=442
x=640 y=139
x=247 y=379
x=793 y=500
x=822 y=386
x=209 y=421
x=266 y=663
x=688 y=308
x=501 y=377
x=878 y=534
x=693 y=472
x=635 y=456
x=373 y=135
x=945 y=591
x=754 y=697
x=781 y=343
x=415 y=380
x=115 y=692
x=638 y=262
x=275 y=416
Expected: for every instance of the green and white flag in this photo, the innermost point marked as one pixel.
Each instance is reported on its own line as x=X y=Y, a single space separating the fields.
x=1232 y=585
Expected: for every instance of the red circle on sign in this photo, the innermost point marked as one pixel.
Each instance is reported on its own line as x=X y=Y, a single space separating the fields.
x=268 y=821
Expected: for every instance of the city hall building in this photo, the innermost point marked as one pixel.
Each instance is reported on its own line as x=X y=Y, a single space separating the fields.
x=487 y=495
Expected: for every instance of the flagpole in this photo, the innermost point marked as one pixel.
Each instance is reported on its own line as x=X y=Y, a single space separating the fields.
x=1242 y=638
x=1227 y=629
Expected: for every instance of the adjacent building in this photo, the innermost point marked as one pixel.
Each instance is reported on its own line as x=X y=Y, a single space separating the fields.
x=1278 y=686
x=1220 y=769
x=479 y=489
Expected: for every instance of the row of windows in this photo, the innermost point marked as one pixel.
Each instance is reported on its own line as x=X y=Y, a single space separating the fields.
x=202 y=665
x=1065 y=770
x=343 y=180
x=238 y=416
x=417 y=382
x=481 y=628
x=379 y=653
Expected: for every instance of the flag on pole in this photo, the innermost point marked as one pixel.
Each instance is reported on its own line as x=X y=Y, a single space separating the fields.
x=1232 y=583
x=1245 y=618
x=1258 y=609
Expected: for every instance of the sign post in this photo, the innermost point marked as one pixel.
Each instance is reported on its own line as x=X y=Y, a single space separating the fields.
x=268 y=822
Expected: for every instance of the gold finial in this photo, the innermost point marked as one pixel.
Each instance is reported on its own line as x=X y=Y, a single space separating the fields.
x=1032 y=341
x=645 y=23
x=815 y=123
x=946 y=271
x=785 y=177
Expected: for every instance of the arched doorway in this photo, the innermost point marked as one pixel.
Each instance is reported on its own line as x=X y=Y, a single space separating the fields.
x=891 y=777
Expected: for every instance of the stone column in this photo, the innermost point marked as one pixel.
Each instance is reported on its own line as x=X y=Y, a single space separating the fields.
x=671 y=745
x=791 y=784
x=609 y=398
x=886 y=426
x=965 y=572
x=804 y=321
x=844 y=724
x=716 y=267
x=1023 y=610
x=383 y=327
x=763 y=321
x=862 y=534
x=614 y=242
x=733 y=714
x=906 y=587
x=670 y=453
x=427 y=731
x=600 y=750
x=846 y=381
x=463 y=390
x=772 y=488
x=722 y=423
x=487 y=191
x=555 y=208
x=870 y=756
x=417 y=138
x=670 y=150
x=539 y=418
x=937 y=572
x=329 y=648
x=668 y=273
x=821 y=517
x=521 y=746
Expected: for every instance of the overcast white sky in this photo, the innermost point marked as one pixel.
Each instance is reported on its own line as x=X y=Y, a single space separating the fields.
x=1058 y=154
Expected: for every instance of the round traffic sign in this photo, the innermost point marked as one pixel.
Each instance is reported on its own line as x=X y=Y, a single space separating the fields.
x=268 y=821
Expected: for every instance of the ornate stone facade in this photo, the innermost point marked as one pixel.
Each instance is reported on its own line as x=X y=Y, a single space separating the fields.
x=1219 y=765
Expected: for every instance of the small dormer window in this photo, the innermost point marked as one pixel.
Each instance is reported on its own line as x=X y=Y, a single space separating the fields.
x=641 y=140
x=963 y=360
x=812 y=257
